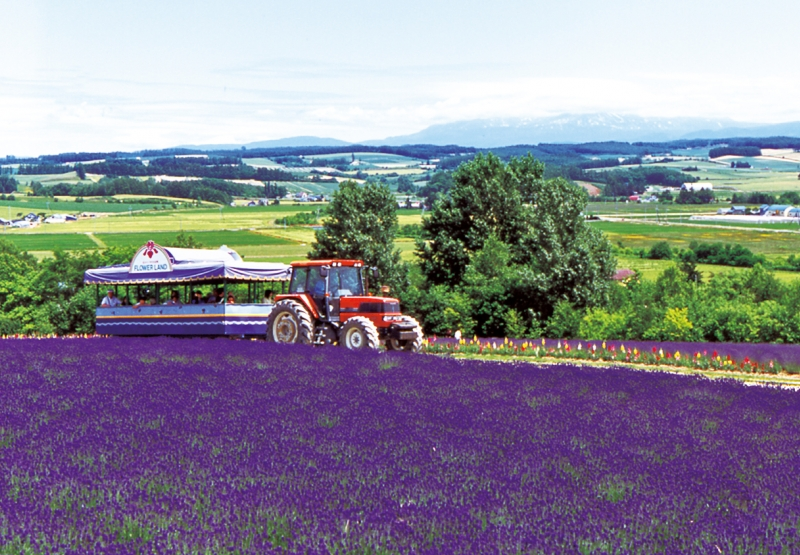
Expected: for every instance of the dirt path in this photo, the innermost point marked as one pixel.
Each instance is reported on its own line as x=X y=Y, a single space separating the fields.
x=96 y=239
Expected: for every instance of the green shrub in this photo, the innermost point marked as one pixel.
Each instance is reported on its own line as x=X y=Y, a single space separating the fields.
x=565 y=321
x=660 y=251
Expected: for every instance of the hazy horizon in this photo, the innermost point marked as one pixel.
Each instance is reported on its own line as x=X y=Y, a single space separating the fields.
x=91 y=76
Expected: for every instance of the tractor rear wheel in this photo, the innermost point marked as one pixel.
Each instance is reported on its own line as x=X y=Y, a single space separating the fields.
x=359 y=333
x=289 y=322
x=413 y=345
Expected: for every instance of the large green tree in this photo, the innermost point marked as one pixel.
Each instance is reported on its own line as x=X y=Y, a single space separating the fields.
x=361 y=224
x=552 y=253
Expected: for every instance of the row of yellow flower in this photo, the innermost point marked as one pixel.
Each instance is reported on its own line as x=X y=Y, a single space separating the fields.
x=577 y=350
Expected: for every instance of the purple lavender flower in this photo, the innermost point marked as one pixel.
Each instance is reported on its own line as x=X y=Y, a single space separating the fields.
x=143 y=445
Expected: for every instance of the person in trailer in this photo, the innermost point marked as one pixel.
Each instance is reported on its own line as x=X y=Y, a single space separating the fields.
x=197 y=298
x=110 y=300
x=216 y=296
x=174 y=299
x=230 y=300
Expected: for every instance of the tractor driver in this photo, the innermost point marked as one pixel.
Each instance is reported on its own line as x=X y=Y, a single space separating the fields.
x=317 y=287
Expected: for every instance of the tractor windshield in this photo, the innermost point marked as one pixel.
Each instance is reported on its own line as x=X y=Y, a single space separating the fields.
x=345 y=281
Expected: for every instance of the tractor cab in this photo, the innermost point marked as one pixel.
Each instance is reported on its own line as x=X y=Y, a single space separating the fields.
x=326 y=283
x=331 y=295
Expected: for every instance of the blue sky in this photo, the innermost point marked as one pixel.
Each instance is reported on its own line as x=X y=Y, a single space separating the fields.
x=98 y=75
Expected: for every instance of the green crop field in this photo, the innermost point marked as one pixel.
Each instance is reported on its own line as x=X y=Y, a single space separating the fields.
x=782 y=176
x=23 y=205
x=635 y=208
x=261 y=163
x=650 y=269
x=209 y=239
x=49 y=241
x=645 y=235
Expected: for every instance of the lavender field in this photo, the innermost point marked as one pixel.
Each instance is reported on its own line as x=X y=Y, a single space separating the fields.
x=134 y=445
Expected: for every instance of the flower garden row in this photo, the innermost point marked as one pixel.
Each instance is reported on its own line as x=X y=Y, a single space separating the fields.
x=707 y=358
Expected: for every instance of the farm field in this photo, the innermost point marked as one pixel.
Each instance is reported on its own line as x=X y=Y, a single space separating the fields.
x=262 y=163
x=211 y=238
x=651 y=269
x=23 y=205
x=645 y=235
x=50 y=241
x=220 y=446
x=647 y=209
x=744 y=180
x=373 y=158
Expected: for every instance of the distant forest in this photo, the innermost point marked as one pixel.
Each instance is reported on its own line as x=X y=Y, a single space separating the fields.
x=215 y=168
x=209 y=189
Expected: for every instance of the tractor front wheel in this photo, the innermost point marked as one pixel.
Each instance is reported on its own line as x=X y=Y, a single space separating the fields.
x=289 y=322
x=413 y=345
x=359 y=333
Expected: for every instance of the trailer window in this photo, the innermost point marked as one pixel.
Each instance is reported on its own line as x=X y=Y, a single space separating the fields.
x=298 y=284
x=345 y=281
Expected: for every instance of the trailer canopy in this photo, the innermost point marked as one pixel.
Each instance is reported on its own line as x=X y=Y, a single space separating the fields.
x=156 y=264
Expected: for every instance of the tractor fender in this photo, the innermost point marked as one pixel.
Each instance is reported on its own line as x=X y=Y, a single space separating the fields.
x=305 y=300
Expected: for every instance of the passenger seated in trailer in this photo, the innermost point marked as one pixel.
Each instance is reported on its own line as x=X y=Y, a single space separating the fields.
x=142 y=302
x=216 y=296
x=197 y=298
x=269 y=297
x=230 y=300
x=110 y=300
x=174 y=299
x=153 y=301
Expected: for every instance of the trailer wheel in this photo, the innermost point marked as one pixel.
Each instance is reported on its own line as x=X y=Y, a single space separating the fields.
x=359 y=333
x=289 y=322
x=412 y=345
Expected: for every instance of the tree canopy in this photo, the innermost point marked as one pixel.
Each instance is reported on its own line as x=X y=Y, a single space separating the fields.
x=361 y=224
x=514 y=242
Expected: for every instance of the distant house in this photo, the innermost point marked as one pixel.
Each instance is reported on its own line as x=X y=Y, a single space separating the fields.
x=793 y=212
x=699 y=186
x=738 y=210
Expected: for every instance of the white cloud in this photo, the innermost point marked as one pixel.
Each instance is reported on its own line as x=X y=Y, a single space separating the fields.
x=78 y=112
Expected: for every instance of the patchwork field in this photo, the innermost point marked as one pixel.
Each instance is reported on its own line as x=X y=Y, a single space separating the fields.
x=645 y=235
x=215 y=446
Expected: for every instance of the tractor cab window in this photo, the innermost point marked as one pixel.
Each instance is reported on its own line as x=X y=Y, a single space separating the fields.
x=298 y=284
x=345 y=281
x=316 y=283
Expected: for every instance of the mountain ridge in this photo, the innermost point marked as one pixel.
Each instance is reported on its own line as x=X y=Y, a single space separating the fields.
x=563 y=129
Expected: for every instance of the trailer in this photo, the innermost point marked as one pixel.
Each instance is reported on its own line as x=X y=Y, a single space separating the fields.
x=156 y=272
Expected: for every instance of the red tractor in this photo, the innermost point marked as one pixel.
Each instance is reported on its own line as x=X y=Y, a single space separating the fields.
x=328 y=303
